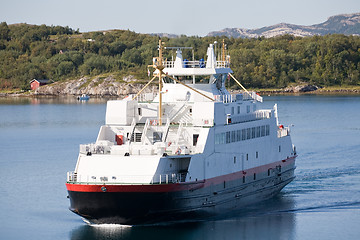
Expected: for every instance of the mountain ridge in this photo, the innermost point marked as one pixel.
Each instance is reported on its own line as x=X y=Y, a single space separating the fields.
x=348 y=24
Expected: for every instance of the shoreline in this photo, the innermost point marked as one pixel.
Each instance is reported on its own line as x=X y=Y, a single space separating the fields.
x=291 y=91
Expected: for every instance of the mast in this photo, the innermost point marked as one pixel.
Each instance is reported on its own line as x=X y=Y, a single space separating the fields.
x=223 y=51
x=160 y=67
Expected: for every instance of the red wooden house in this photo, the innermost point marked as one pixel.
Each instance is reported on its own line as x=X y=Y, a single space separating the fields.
x=35 y=83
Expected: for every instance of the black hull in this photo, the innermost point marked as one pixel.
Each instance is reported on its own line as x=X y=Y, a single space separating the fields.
x=129 y=208
x=133 y=208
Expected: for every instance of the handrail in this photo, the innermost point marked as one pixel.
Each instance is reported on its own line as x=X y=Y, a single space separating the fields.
x=258 y=115
x=178 y=134
x=143 y=135
x=196 y=64
x=283 y=132
x=164 y=136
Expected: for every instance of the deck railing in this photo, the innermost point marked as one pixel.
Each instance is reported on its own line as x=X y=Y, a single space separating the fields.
x=283 y=132
x=196 y=64
x=73 y=177
x=243 y=96
x=258 y=115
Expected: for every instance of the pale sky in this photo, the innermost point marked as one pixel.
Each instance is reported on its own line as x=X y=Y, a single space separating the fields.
x=189 y=17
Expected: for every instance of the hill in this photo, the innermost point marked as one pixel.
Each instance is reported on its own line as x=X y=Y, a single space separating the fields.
x=348 y=24
x=60 y=54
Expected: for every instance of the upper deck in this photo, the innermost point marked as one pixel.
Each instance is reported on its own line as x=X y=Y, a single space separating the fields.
x=184 y=67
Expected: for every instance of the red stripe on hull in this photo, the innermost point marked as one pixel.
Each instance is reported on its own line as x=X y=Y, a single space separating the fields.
x=175 y=187
x=133 y=188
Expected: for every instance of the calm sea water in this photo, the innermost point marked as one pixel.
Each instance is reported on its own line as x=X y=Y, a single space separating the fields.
x=39 y=143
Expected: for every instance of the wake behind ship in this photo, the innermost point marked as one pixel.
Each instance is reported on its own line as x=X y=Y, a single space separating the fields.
x=190 y=151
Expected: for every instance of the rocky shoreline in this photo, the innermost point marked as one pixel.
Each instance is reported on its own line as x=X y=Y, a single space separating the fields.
x=110 y=87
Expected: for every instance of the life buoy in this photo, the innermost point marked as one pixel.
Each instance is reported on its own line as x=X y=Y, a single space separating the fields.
x=169 y=143
x=178 y=151
x=153 y=122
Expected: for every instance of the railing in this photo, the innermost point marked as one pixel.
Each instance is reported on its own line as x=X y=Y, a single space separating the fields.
x=146 y=97
x=196 y=64
x=283 y=131
x=73 y=177
x=95 y=148
x=258 y=115
x=244 y=96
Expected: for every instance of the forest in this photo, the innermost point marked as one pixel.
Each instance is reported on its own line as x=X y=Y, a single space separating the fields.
x=61 y=53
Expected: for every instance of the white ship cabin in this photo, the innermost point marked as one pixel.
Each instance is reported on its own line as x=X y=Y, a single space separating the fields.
x=195 y=123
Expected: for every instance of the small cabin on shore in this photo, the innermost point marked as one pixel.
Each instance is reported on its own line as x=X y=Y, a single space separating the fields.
x=35 y=83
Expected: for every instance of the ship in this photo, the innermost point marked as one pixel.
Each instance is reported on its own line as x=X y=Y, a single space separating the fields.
x=190 y=150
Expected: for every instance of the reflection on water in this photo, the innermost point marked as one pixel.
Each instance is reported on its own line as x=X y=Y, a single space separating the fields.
x=269 y=220
x=270 y=226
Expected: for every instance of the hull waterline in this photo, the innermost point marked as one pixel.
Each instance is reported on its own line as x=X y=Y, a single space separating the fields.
x=148 y=204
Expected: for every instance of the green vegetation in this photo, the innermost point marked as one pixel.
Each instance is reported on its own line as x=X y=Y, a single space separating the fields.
x=60 y=53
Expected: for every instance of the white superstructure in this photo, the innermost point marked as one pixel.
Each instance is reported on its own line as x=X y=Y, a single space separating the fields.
x=203 y=133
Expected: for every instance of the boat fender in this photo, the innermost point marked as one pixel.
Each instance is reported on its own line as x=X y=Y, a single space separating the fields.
x=103 y=188
x=169 y=143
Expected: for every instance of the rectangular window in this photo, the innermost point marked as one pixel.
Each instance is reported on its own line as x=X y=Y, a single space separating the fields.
x=248 y=108
x=238 y=135
x=234 y=159
x=233 y=136
x=243 y=134
x=254 y=176
x=195 y=139
x=267 y=130
x=243 y=179
x=217 y=138
x=257 y=154
x=238 y=107
x=262 y=131
x=228 y=137
x=247 y=157
x=258 y=132
x=222 y=139
x=248 y=133
x=232 y=111
x=253 y=132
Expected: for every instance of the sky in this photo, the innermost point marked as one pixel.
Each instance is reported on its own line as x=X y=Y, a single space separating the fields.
x=189 y=17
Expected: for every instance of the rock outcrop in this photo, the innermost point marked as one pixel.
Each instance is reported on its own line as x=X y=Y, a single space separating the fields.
x=301 y=89
x=99 y=87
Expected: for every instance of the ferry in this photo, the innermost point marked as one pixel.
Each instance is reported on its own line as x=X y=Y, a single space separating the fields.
x=190 y=151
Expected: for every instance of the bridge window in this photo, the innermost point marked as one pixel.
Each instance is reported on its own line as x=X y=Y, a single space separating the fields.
x=238 y=135
x=233 y=136
x=227 y=137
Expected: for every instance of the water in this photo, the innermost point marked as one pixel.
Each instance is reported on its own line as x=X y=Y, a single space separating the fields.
x=39 y=143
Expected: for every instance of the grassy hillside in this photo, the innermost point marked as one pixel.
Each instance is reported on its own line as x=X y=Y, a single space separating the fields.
x=60 y=53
